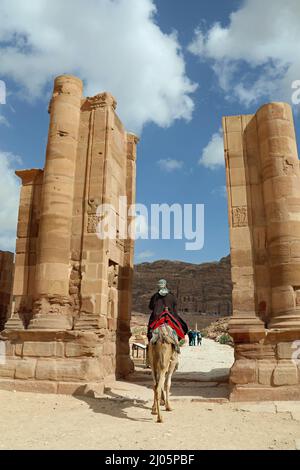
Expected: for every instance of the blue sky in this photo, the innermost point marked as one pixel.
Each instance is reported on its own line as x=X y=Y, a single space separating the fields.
x=214 y=63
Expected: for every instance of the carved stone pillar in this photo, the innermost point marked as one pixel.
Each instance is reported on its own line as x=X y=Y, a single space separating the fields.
x=124 y=363
x=281 y=189
x=263 y=181
x=52 y=307
x=25 y=262
x=245 y=325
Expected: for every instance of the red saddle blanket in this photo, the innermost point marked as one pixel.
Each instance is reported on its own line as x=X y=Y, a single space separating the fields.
x=167 y=318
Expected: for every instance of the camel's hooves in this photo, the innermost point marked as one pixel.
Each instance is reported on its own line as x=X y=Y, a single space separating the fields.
x=168 y=408
x=160 y=420
x=153 y=412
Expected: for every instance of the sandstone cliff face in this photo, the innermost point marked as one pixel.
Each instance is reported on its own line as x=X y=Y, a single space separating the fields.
x=200 y=288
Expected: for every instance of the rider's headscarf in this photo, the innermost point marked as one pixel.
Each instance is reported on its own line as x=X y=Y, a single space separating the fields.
x=162 y=287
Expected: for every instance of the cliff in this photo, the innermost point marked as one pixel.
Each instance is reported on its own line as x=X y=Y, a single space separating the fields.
x=200 y=288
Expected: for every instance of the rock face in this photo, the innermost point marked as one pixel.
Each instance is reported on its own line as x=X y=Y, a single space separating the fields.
x=70 y=325
x=199 y=288
x=263 y=183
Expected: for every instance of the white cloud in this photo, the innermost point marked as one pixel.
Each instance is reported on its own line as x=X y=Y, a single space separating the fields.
x=170 y=165
x=145 y=255
x=256 y=55
x=114 y=45
x=213 y=154
x=9 y=201
x=3 y=121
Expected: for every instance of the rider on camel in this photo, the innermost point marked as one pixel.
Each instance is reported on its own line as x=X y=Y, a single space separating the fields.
x=164 y=300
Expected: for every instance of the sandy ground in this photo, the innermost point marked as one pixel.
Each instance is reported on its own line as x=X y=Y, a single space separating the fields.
x=202 y=416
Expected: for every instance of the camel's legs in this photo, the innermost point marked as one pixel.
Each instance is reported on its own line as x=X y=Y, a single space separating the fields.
x=162 y=398
x=158 y=389
x=155 y=381
x=168 y=380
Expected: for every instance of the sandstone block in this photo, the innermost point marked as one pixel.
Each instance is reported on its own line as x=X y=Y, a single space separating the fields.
x=285 y=373
x=8 y=369
x=265 y=372
x=19 y=349
x=285 y=350
x=25 y=369
x=243 y=372
x=43 y=349
x=79 y=350
x=46 y=369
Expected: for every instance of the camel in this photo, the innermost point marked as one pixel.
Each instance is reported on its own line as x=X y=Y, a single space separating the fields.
x=163 y=360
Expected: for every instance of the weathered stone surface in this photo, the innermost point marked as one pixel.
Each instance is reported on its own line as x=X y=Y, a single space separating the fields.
x=243 y=393
x=8 y=369
x=6 y=280
x=286 y=373
x=79 y=350
x=243 y=372
x=263 y=181
x=265 y=372
x=285 y=350
x=71 y=289
x=43 y=349
x=25 y=369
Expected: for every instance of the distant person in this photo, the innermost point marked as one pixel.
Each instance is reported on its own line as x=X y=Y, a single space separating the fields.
x=199 y=338
x=194 y=337
x=161 y=301
x=191 y=337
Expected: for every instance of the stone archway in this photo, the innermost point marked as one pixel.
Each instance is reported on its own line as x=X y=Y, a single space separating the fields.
x=263 y=184
x=70 y=328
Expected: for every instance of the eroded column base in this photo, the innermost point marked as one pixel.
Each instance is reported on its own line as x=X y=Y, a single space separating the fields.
x=92 y=389
x=66 y=362
x=254 y=392
x=268 y=369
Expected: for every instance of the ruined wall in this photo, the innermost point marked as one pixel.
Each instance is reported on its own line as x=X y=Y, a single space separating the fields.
x=71 y=323
x=263 y=182
x=6 y=279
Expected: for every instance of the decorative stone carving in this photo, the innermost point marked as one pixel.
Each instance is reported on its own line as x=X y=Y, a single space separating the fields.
x=100 y=100
x=93 y=221
x=239 y=216
x=288 y=166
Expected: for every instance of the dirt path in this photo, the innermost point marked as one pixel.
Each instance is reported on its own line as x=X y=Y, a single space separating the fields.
x=123 y=420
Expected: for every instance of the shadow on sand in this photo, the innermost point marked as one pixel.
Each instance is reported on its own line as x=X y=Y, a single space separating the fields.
x=115 y=405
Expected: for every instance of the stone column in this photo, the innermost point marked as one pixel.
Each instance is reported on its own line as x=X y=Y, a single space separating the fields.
x=6 y=277
x=281 y=190
x=27 y=232
x=245 y=326
x=124 y=363
x=52 y=308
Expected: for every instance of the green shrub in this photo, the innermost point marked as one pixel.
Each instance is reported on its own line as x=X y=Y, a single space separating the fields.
x=225 y=338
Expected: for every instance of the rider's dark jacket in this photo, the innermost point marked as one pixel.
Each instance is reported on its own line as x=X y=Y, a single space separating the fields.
x=157 y=305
